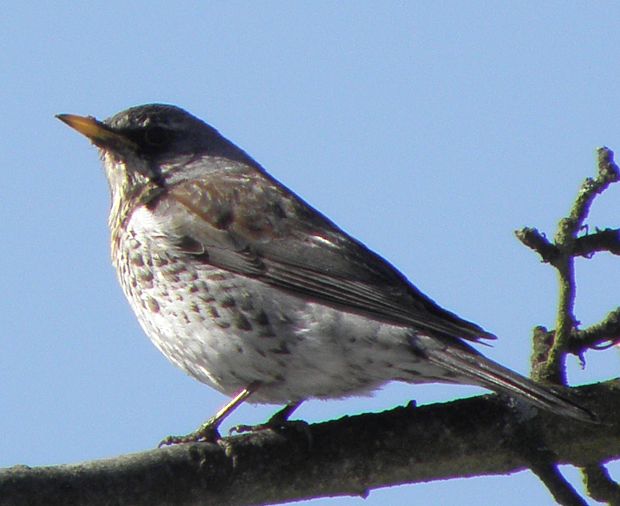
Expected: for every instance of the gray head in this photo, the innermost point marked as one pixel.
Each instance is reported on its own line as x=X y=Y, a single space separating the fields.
x=161 y=132
x=155 y=144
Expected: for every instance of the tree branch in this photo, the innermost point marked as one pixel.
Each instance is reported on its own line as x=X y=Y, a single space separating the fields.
x=550 y=348
x=563 y=492
x=601 y=240
x=536 y=240
x=599 y=336
x=542 y=462
x=599 y=484
x=349 y=456
x=548 y=359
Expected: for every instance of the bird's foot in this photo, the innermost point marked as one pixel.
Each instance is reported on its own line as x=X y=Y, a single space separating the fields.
x=277 y=422
x=207 y=433
x=270 y=424
x=281 y=426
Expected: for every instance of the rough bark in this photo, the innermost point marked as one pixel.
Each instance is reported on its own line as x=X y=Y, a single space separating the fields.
x=349 y=456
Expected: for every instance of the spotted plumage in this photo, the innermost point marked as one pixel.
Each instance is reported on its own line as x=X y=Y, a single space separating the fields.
x=248 y=289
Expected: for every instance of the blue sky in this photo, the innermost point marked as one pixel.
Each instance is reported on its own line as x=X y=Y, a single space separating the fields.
x=428 y=130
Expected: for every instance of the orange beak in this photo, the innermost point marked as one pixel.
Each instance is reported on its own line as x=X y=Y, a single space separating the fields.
x=99 y=134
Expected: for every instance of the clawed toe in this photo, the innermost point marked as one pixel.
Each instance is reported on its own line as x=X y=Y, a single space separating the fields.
x=277 y=422
x=271 y=424
x=240 y=429
x=205 y=434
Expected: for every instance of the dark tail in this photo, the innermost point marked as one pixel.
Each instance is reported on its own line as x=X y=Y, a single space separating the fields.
x=484 y=372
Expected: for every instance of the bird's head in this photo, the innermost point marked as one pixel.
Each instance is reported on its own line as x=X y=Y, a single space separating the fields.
x=155 y=145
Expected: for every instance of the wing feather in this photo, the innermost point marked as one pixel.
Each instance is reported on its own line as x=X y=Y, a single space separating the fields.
x=252 y=225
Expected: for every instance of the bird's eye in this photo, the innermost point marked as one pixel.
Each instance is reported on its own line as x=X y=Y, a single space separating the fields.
x=156 y=136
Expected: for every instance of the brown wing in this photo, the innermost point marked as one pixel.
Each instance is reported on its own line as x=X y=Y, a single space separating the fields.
x=250 y=224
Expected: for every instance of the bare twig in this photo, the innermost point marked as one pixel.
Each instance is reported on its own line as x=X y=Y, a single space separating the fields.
x=537 y=241
x=549 y=354
x=550 y=348
x=542 y=340
x=599 y=484
x=601 y=240
x=608 y=173
x=528 y=441
x=554 y=369
x=599 y=336
x=561 y=490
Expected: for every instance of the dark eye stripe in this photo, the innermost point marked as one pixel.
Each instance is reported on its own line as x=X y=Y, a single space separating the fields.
x=156 y=136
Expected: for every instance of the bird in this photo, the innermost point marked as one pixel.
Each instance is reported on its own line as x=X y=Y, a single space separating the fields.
x=249 y=289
